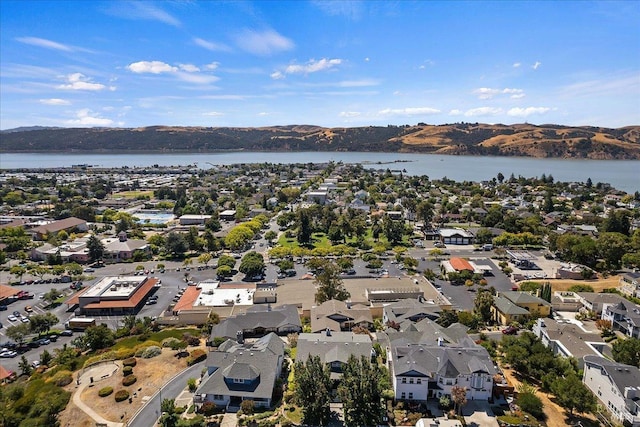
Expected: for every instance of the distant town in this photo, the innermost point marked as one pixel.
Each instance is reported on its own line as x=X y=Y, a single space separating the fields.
x=315 y=294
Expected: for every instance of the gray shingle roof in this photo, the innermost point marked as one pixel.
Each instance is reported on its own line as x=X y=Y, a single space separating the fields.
x=284 y=316
x=621 y=375
x=336 y=347
x=504 y=305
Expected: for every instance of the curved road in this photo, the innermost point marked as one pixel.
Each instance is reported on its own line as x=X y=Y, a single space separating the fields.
x=150 y=412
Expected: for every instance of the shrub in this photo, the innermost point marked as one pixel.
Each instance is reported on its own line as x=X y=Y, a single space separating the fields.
x=150 y=352
x=125 y=353
x=170 y=342
x=247 y=407
x=192 y=384
x=128 y=380
x=121 y=395
x=218 y=340
x=180 y=409
x=127 y=370
x=191 y=340
x=208 y=409
x=105 y=391
x=61 y=378
x=129 y=362
x=196 y=356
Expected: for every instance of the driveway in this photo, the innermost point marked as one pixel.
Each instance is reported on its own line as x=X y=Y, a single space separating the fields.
x=478 y=413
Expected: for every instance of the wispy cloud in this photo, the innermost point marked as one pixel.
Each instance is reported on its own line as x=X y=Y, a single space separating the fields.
x=186 y=72
x=141 y=10
x=313 y=66
x=213 y=114
x=54 y=101
x=488 y=93
x=536 y=65
x=189 y=68
x=78 y=81
x=351 y=9
x=263 y=43
x=601 y=86
x=47 y=44
x=517 y=64
x=525 y=112
x=212 y=46
x=86 y=117
x=482 y=111
x=409 y=111
x=350 y=114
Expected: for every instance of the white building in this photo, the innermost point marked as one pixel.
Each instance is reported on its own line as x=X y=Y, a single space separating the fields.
x=617 y=386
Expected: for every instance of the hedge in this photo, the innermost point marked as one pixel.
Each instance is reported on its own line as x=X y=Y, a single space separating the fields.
x=105 y=391
x=196 y=356
x=128 y=380
x=129 y=362
x=121 y=395
x=61 y=378
x=151 y=351
x=127 y=370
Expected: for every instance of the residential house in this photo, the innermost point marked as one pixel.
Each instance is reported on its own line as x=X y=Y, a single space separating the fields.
x=569 y=340
x=424 y=370
x=239 y=371
x=513 y=306
x=625 y=317
x=617 y=387
x=122 y=249
x=411 y=310
x=333 y=348
x=597 y=302
x=630 y=284
x=337 y=315
x=258 y=321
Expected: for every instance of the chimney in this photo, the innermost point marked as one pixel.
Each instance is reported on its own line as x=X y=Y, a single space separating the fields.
x=328 y=332
x=240 y=337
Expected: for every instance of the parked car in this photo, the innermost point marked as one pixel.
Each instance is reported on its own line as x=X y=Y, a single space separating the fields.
x=8 y=354
x=3 y=307
x=12 y=318
x=35 y=364
x=28 y=309
x=66 y=333
x=510 y=330
x=16 y=313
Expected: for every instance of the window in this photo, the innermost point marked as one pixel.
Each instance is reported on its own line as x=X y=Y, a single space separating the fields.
x=404 y=380
x=410 y=380
x=238 y=381
x=410 y=395
x=440 y=380
x=419 y=381
x=404 y=395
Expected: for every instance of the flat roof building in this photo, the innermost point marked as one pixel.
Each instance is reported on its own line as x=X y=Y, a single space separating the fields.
x=114 y=295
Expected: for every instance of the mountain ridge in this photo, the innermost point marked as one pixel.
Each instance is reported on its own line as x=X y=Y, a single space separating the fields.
x=523 y=139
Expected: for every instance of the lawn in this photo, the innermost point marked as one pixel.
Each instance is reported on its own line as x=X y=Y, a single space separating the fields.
x=133 y=194
x=131 y=342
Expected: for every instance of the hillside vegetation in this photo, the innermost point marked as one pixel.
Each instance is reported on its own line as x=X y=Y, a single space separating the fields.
x=460 y=139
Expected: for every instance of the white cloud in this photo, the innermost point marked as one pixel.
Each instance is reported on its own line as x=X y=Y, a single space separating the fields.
x=483 y=111
x=263 y=43
x=348 y=8
x=536 y=65
x=54 y=101
x=212 y=46
x=277 y=75
x=313 y=66
x=189 y=68
x=153 y=67
x=86 y=117
x=264 y=113
x=78 y=81
x=517 y=64
x=350 y=114
x=488 y=93
x=409 y=111
x=48 y=44
x=196 y=78
x=366 y=59
x=455 y=112
x=525 y=112
x=213 y=114
x=139 y=10
x=212 y=66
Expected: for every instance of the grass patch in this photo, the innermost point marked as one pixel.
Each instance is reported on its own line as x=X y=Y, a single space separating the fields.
x=514 y=420
x=133 y=194
x=131 y=342
x=294 y=415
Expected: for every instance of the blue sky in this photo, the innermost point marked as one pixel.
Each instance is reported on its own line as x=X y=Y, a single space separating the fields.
x=329 y=63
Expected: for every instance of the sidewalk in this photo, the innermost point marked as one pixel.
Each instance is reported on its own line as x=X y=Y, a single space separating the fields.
x=97 y=373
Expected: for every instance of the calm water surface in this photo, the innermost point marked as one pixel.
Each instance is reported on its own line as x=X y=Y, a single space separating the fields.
x=622 y=174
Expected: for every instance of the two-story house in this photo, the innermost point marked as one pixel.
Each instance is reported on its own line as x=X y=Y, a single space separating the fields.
x=617 y=387
x=624 y=317
x=239 y=371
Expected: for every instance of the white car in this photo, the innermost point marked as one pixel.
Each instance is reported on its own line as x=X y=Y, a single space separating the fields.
x=35 y=364
x=12 y=318
x=25 y=320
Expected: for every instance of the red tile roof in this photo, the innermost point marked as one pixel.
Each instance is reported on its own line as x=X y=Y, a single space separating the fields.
x=460 y=264
x=7 y=291
x=190 y=296
x=132 y=302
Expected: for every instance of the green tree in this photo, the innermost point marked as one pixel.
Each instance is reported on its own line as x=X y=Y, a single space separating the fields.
x=304 y=226
x=313 y=391
x=627 y=351
x=252 y=264
x=612 y=247
x=529 y=402
x=98 y=337
x=482 y=305
x=18 y=271
x=205 y=258
x=224 y=271
x=96 y=248
x=41 y=323
x=270 y=236
x=459 y=397
x=24 y=366
x=361 y=392
x=175 y=244
x=19 y=332
x=573 y=395
x=329 y=284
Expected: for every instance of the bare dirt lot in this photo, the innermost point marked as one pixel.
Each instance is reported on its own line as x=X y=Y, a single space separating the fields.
x=151 y=374
x=597 y=284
